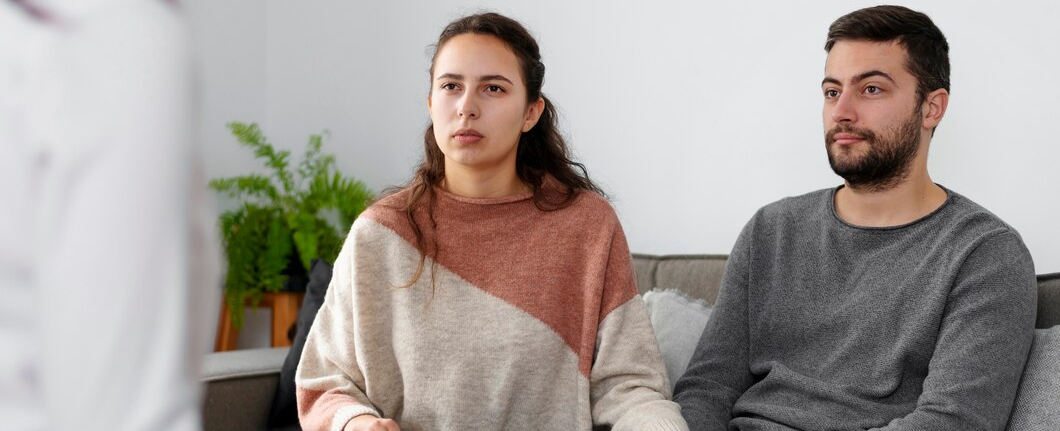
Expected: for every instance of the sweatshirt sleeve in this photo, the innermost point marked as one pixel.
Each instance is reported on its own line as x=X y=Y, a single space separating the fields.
x=718 y=373
x=328 y=383
x=983 y=342
x=628 y=384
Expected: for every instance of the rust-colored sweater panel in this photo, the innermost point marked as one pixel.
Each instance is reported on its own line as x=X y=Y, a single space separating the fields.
x=568 y=268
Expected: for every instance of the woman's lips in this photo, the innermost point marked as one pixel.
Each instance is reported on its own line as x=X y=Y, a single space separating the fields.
x=467 y=136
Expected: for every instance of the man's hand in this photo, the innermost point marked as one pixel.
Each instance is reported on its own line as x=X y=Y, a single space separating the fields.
x=370 y=423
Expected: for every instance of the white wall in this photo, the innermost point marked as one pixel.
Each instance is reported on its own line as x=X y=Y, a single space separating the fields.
x=229 y=40
x=691 y=114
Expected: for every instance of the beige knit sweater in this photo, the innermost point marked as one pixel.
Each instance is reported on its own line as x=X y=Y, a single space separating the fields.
x=532 y=323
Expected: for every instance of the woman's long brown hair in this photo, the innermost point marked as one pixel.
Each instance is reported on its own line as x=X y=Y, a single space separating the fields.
x=542 y=152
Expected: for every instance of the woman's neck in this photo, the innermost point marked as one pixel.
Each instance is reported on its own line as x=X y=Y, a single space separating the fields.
x=471 y=184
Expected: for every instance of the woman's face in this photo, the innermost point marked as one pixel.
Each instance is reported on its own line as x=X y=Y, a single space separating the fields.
x=478 y=104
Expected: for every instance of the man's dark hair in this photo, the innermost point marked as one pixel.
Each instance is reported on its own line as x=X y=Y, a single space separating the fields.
x=928 y=54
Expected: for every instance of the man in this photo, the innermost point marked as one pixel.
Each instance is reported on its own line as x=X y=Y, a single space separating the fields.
x=106 y=247
x=887 y=303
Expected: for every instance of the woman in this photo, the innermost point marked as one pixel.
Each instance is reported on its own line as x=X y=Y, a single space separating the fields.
x=495 y=291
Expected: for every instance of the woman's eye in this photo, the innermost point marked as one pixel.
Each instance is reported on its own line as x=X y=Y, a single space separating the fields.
x=448 y=86
x=494 y=89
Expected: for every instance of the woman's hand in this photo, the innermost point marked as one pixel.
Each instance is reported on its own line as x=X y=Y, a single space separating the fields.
x=370 y=423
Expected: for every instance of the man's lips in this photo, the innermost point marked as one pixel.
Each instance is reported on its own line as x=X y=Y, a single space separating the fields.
x=467 y=136
x=847 y=138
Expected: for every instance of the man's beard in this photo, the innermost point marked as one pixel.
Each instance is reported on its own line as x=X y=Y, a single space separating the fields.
x=887 y=161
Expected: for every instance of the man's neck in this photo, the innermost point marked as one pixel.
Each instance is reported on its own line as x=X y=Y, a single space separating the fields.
x=908 y=201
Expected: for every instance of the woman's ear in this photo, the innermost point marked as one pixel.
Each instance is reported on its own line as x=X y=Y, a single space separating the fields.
x=533 y=113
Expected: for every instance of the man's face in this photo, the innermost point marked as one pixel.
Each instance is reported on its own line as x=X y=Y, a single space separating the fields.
x=873 y=120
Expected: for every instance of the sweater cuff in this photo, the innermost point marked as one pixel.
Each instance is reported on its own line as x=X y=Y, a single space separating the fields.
x=343 y=415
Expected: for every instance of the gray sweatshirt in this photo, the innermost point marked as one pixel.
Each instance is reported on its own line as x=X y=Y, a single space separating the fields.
x=822 y=325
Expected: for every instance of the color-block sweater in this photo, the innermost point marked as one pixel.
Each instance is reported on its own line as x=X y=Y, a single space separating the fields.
x=527 y=319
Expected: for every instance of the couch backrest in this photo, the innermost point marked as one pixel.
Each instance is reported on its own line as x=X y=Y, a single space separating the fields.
x=1048 y=300
x=699 y=276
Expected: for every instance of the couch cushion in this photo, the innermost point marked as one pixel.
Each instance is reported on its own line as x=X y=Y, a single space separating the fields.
x=219 y=366
x=678 y=322
x=238 y=388
x=698 y=276
x=1048 y=300
x=644 y=267
x=1038 y=400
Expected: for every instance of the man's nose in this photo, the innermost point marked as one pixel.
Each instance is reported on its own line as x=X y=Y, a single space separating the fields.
x=844 y=109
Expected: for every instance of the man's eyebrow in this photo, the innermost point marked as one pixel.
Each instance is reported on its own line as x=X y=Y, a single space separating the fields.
x=860 y=77
x=872 y=73
x=452 y=76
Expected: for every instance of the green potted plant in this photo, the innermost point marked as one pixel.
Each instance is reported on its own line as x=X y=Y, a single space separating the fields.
x=285 y=219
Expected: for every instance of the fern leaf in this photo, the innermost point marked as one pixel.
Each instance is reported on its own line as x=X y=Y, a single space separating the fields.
x=304 y=227
x=246 y=186
x=277 y=250
x=250 y=136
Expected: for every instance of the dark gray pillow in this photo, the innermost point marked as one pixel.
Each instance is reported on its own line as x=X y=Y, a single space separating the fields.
x=284 y=405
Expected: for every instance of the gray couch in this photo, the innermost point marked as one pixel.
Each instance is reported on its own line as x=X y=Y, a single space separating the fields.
x=240 y=384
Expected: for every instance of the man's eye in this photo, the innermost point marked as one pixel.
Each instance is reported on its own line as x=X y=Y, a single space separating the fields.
x=831 y=93
x=872 y=89
x=448 y=86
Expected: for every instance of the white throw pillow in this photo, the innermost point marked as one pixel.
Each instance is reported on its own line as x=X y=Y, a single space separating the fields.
x=1038 y=399
x=678 y=322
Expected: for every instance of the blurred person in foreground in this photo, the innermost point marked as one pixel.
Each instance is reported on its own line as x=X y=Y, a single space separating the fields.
x=105 y=236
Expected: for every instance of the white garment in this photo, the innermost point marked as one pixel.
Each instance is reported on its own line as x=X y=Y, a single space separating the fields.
x=106 y=249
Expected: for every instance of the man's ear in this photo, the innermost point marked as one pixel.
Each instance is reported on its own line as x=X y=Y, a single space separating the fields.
x=533 y=113
x=935 y=107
